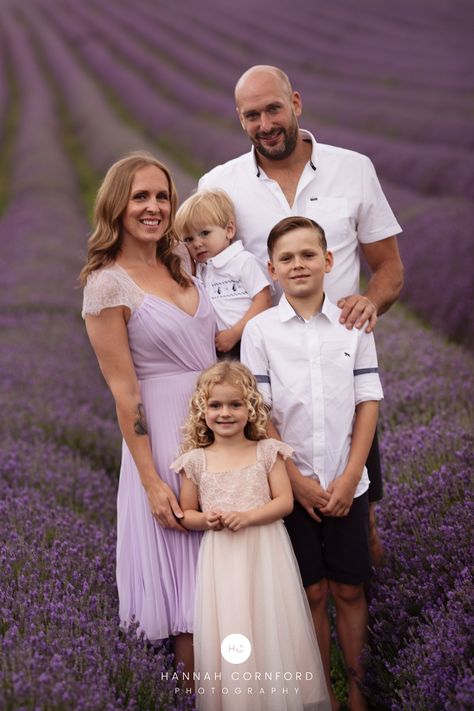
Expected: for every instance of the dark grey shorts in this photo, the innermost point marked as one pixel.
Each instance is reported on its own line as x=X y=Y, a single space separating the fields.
x=336 y=548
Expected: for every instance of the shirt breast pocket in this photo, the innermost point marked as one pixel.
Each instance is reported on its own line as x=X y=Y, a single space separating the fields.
x=337 y=363
x=332 y=213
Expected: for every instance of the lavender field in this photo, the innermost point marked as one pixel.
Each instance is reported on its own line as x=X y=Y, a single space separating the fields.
x=80 y=85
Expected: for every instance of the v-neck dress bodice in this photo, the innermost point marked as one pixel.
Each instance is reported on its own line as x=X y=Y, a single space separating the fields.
x=169 y=348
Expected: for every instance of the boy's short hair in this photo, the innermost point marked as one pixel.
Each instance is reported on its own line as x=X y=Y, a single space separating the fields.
x=288 y=224
x=207 y=207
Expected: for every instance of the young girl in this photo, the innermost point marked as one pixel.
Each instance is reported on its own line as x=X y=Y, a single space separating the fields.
x=236 y=489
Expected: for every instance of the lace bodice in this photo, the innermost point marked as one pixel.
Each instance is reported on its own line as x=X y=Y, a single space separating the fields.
x=112 y=286
x=236 y=489
x=108 y=287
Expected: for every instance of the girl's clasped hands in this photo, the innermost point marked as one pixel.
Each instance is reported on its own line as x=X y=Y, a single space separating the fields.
x=233 y=520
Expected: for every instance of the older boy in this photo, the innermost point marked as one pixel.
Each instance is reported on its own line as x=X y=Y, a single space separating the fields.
x=321 y=382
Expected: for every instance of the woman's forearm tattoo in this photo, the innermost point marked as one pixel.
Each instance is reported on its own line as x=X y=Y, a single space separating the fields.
x=140 y=423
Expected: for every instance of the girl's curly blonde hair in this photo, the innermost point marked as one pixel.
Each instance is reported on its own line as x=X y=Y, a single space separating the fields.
x=196 y=431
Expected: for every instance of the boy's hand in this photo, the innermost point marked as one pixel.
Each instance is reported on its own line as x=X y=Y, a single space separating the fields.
x=310 y=494
x=213 y=521
x=342 y=492
x=236 y=520
x=226 y=340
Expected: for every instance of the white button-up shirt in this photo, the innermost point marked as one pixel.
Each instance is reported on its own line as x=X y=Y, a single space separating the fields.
x=338 y=188
x=232 y=278
x=313 y=374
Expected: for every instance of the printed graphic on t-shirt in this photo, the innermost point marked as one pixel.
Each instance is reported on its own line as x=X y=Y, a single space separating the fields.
x=226 y=289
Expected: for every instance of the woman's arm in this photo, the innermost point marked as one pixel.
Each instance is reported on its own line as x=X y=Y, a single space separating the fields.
x=108 y=335
x=280 y=505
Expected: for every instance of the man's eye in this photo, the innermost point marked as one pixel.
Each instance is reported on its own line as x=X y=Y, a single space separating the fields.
x=251 y=117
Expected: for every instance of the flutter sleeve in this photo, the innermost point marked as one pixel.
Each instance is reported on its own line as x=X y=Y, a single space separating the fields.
x=109 y=287
x=270 y=449
x=190 y=463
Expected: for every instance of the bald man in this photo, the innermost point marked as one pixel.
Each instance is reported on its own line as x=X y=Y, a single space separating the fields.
x=288 y=173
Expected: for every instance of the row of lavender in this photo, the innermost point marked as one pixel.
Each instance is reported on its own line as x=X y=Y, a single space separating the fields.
x=59 y=439
x=60 y=646
x=410 y=111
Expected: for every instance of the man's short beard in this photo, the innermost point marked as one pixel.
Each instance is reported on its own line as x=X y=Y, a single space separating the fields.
x=289 y=145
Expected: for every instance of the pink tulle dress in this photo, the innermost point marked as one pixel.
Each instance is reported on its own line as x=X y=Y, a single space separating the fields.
x=156 y=566
x=248 y=583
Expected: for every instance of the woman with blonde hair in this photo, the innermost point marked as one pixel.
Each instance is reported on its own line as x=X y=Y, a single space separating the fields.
x=152 y=328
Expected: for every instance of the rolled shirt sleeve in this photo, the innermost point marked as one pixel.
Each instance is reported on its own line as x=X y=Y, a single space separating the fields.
x=253 y=355
x=367 y=385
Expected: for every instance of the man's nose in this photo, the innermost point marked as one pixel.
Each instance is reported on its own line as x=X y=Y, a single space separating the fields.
x=265 y=122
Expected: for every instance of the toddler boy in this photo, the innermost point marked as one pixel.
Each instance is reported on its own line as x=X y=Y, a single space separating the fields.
x=234 y=280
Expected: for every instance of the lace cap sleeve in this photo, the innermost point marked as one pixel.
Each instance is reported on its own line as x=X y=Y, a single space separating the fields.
x=109 y=287
x=190 y=463
x=270 y=449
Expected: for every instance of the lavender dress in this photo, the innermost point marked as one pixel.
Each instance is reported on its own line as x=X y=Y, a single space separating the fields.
x=156 y=566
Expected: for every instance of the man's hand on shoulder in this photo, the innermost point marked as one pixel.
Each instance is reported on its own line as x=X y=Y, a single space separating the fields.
x=358 y=310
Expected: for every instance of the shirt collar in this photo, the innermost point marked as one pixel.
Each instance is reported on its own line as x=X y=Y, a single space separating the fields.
x=306 y=136
x=286 y=311
x=227 y=254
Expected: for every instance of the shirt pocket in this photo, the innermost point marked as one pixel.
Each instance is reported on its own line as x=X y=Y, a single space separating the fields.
x=337 y=363
x=332 y=213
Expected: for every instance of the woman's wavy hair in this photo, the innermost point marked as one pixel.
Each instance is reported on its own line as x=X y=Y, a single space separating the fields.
x=105 y=242
x=196 y=431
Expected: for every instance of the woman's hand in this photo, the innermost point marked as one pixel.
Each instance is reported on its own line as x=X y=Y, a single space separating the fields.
x=164 y=505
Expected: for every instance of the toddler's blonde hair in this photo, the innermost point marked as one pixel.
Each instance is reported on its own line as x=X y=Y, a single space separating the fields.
x=206 y=208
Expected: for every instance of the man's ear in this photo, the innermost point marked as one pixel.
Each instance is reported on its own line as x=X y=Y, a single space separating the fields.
x=297 y=103
x=241 y=119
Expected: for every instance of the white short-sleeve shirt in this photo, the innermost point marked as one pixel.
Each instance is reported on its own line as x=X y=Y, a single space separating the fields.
x=313 y=374
x=338 y=188
x=232 y=278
